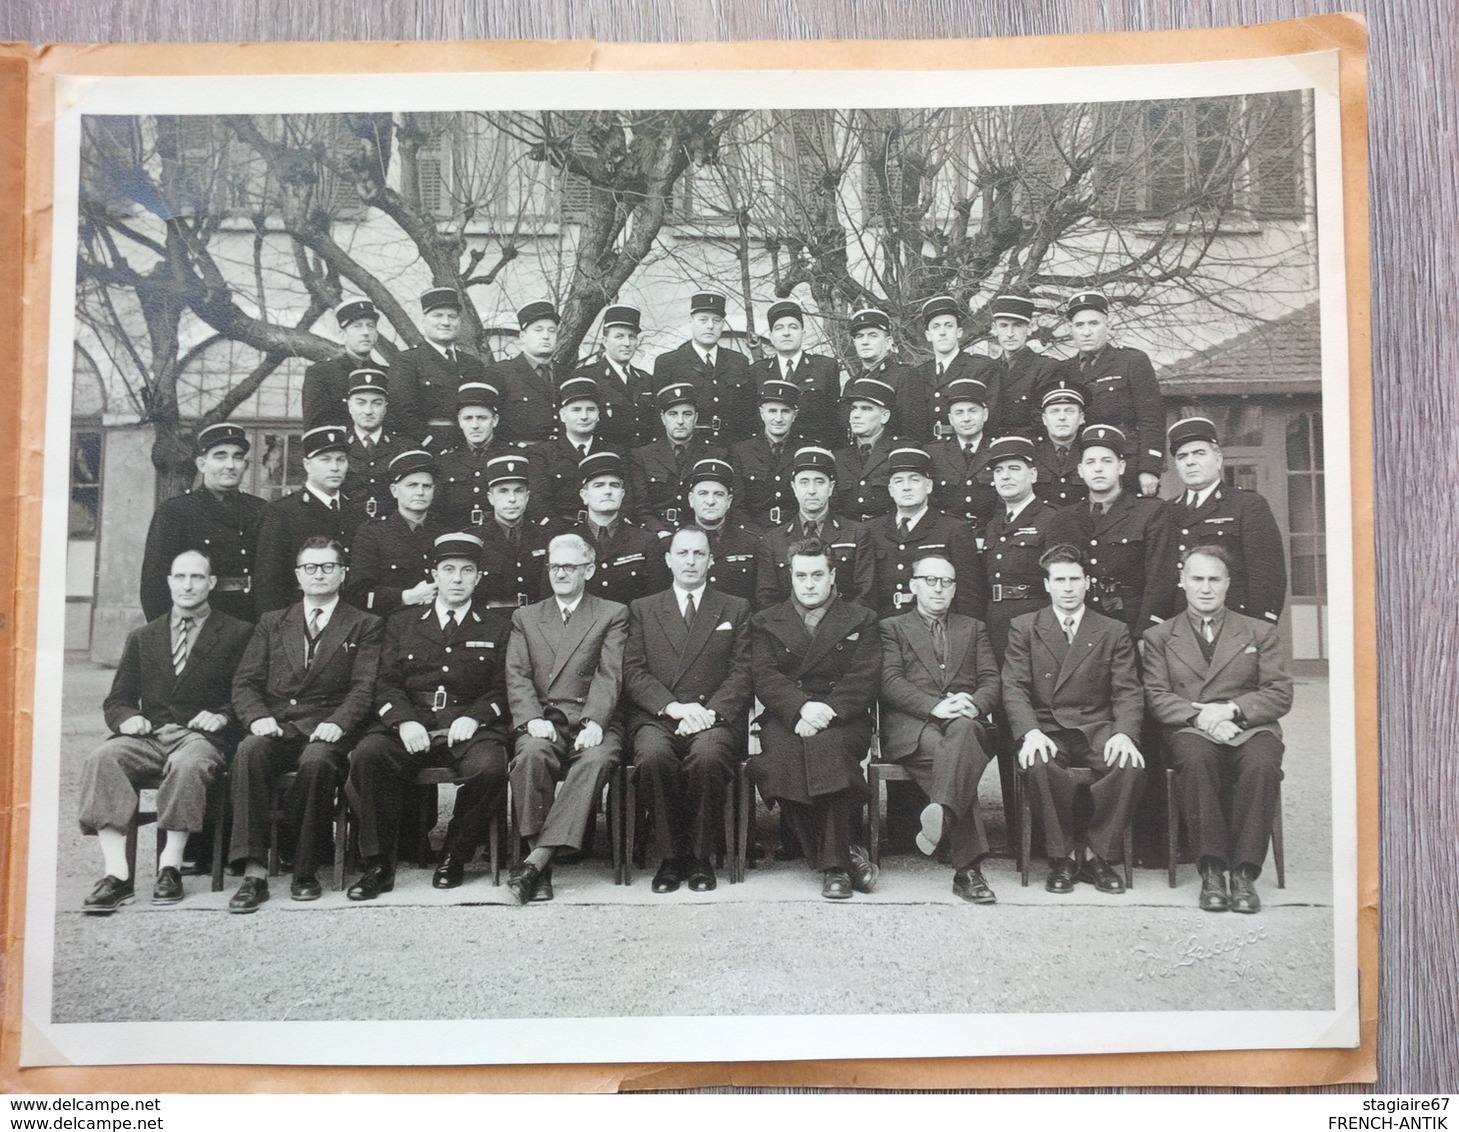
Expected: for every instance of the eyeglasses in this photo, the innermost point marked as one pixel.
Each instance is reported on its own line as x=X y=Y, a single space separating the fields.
x=565 y=567
x=935 y=581
x=325 y=568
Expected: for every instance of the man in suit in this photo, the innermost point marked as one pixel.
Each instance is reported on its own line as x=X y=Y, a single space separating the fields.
x=304 y=690
x=733 y=549
x=942 y=326
x=658 y=473
x=440 y=700
x=555 y=480
x=215 y=518
x=962 y=481
x=1210 y=512
x=371 y=446
x=720 y=376
x=628 y=417
x=817 y=666
x=1056 y=447
x=686 y=679
x=762 y=464
x=816 y=377
x=564 y=674
x=171 y=720
x=327 y=383
x=861 y=467
x=630 y=558
x=1073 y=700
x=939 y=686
x=462 y=487
x=528 y=382
x=910 y=403
x=424 y=378
x=813 y=483
x=391 y=564
x=1216 y=682
x=1019 y=371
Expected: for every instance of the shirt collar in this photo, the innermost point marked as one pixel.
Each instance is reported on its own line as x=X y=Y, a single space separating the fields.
x=198 y=616
x=915 y=519
x=441 y=610
x=372 y=435
x=1017 y=510
x=681 y=596
x=1078 y=615
x=794 y=360
x=327 y=500
x=563 y=607
x=327 y=607
x=442 y=350
x=1204 y=494
x=1218 y=620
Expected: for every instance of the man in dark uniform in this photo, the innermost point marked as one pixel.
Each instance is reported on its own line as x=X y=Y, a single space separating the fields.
x=390 y=564
x=1014 y=539
x=555 y=480
x=327 y=383
x=962 y=481
x=913 y=530
x=1121 y=389
x=461 y=486
x=215 y=518
x=910 y=403
x=815 y=376
x=630 y=558
x=371 y=445
x=734 y=549
x=816 y=667
x=318 y=509
x=628 y=416
x=1129 y=553
x=1020 y=371
x=657 y=472
x=762 y=464
x=1212 y=513
x=813 y=481
x=424 y=379
x=440 y=700
x=1056 y=448
x=720 y=375
x=514 y=540
x=528 y=382
x=942 y=324
x=861 y=467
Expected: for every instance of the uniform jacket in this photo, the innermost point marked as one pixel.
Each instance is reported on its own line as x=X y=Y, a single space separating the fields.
x=145 y=683
x=1122 y=391
x=338 y=688
x=735 y=552
x=461 y=499
x=935 y=533
x=224 y=527
x=1059 y=483
x=1246 y=668
x=514 y=575
x=963 y=485
x=962 y=365
x=763 y=496
x=911 y=417
x=630 y=562
x=861 y=484
x=665 y=662
x=727 y=406
x=1018 y=377
x=1013 y=580
x=1087 y=686
x=368 y=482
x=286 y=523
x=1242 y=522
x=566 y=674
x=1129 y=557
x=389 y=558
x=327 y=388
x=627 y=415
x=656 y=480
x=423 y=388
x=428 y=679
x=553 y=475
x=529 y=400
x=818 y=420
x=851 y=553
x=913 y=683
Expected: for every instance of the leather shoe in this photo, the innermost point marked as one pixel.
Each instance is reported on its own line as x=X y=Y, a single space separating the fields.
x=522 y=882
x=929 y=837
x=305 y=888
x=701 y=877
x=109 y=895
x=544 y=891
x=1104 y=876
x=1061 y=876
x=668 y=878
x=969 y=884
x=837 y=885
x=1243 y=892
x=863 y=872
x=168 y=889
x=1213 y=889
x=373 y=881
x=251 y=893
x=449 y=873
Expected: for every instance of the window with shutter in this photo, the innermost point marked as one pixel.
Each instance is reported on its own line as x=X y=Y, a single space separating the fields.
x=1278 y=155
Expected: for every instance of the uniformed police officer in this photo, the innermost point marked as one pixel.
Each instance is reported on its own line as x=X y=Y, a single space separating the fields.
x=658 y=472
x=424 y=378
x=461 y=486
x=371 y=445
x=317 y=510
x=733 y=549
x=1056 y=448
x=720 y=375
x=327 y=383
x=1121 y=389
x=440 y=700
x=630 y=559
x=553 y=467
x=813 y=483
x=1014 y=538
x=514 y=539
x=1212 y=513
x=1020 y=371
x=763 y=463
x=628 y=416
x=528 y=382
x=391 y=563
x=914 y=530
x=942 y=322
x=815 y=376
x=861 y=467
x=911 y=400
x=962 y=479
x=215 y=518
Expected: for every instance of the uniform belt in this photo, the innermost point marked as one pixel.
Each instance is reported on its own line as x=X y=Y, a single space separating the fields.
x=234 y=585
x=1012 y=593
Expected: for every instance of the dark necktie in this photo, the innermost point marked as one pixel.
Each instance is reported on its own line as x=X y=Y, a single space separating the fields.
x=582 y=450
x=939 y=642
x=451 y=354
x=679 y=459
x=1191 y=500
x=1096 y=509
x=334 y=504
x=451 y=626
x=941 y=369
x=689 y=611
x=902 y=529
x=788 y=370
x=311 y=636
x=514 y=537
x=810 y=530
x=1069 y=629
x=179 y=646
x=775 y=452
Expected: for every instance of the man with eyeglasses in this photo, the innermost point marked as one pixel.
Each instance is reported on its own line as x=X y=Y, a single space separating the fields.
x=813 y=483
x=939 y=686
x=440 y=700
x=564 y=675
x=303 y=690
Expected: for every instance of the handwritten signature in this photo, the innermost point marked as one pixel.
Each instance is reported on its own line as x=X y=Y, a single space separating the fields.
x=1192 y=950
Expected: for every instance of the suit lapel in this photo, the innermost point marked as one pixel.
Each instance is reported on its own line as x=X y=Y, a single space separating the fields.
x=291 y=632
x=1051 y=633
x=1229 y=644
x=1080 y=650
x=1187 y=649
x=572 y=633
x=959 y=641
x=705 y=619
x=330 y=639
x=207 y=637
x=666 y=612
x=829 y=633
x=920 y=638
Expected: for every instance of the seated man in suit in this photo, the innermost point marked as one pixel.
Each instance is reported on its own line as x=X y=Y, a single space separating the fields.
x=939 y=686
x=686 y=675
x=441 y=700
x=171 y=721
x=1216 y=682
x=304 y=690
x=564 y=673
x=1073 y=700
x=817 y=665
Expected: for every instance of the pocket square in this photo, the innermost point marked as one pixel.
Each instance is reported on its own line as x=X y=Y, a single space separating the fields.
x=723 y=625
x=1251 y=648
x=854 y=636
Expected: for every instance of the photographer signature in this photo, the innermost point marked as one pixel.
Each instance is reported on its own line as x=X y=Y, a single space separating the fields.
x=1193 y=950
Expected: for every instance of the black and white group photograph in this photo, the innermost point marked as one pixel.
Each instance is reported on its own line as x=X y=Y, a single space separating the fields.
x=531 y=581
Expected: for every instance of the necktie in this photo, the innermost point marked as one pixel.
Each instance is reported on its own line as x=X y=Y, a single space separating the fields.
x=1190 y=500
x=787 y=370
x=311 y=636
x=941 y=369
x=451 y=354
x=689 y=611
x=333 y=506
x=679 y=459
x=864 y=451
x=1096 y=508
x=451 y=625
x=1069 y=629
x=708 y=360
x=1012 y=517
x=582 y=450
x=566 y=615
x=939 y=641
x=810 y=530
x=775 y=452
x=902 y=529
x=1207 y=631
x=369 y=448
x=179 y=646
x=514 y=537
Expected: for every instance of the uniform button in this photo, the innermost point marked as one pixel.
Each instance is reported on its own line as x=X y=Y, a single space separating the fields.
x=445 y=668
x=1094 y=561
x=293 y=702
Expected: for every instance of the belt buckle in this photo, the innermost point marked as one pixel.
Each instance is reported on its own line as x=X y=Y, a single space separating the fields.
x=477 y=516
x=714 y=425
x=438 y=701
x=997 y=592
x=370 y=507
x=898 y=599
x=671 y=514
x=775 y=516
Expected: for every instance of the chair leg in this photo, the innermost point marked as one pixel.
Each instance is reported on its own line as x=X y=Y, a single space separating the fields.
x=615 y=819
x=628 y=813
x=873 y=811
x=273 y=839
x=1279 y=853
x=731 y=799
x=429 y=801
x=1129 y=857
x=219 y=807
x=494 y=842
x=1025 y=825
x=1172 y=826
x=341 y=838
x=744 y=810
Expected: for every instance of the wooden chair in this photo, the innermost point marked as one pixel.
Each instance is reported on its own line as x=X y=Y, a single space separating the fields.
x=427 y=785
x=739 y=797
x=1172 y=829
x=1082 y=776
x=278 y=814
x=217 y=807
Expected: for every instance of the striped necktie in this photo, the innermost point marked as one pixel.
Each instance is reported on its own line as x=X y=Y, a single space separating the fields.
x=179 y=645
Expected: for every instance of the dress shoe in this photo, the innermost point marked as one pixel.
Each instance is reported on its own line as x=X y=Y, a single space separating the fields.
x=837 y=885
x=544 y=891
x=863 y=872
x=1104 y=876
x=668 y=878
x=522 y=882
x=109 y=895
x=701 y=877
x=929 y=837
x=1061 y=876
x=449 y=873
x=1243 y=891
x=1213 y=889
x=373 y=881
x=251 y=893
x=305 y=888
x=168 y=889
x=969 y=884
